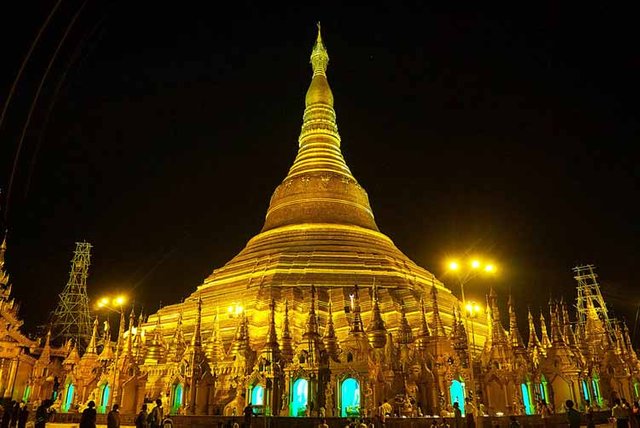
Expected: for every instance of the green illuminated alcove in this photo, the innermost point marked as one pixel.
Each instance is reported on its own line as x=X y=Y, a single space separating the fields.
x=350 y=397
x=299 y=397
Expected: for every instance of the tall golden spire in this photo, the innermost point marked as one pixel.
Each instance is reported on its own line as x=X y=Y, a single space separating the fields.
x=425 y=332
x=319 y=187
x=376 y=330
x=271 y=348
x=438 y=327
x=514 y=333
x=319 y=56
x=92 y=347
x=330 y=339
x=178 y=344
x=287 y=340
x=546 y=343
x=3 y=250
x=405 y=333
x=534 y=342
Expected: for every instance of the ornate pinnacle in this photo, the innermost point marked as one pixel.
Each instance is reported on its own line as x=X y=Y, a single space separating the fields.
x=425 y=332
x=376 y=330
x=312 y=320
x=178 y=344
x=546 y=343
x=120 y=343
x=330 y=339
x=556 y=334
x=3 y=250
x=92 y=348
x=319 y=56
x=438 y=327
x=196 y=339
x=287 y=341
x=272 y=338
x=514 y=332
x=533 y=335
x=406 y=333
x=356 y=324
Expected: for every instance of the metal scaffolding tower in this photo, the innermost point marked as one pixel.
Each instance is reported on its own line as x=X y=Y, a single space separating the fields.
x=71 y=319
x=589 y=291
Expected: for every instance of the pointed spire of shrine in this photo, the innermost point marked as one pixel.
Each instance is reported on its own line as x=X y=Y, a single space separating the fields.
x=534 y=342
x=330 y=339
x=405 y=334
x=546 y=343
x=92 y=348
x=319 y=160
x=287 y=340
x=356 y=322
x=271 y=348
x=376 y=330
x=514 y=332
x=438 y=327
x=178 y=344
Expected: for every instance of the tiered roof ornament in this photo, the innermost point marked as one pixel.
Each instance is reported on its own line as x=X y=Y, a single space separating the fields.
x=330 y=339
x=425 y=332
x=178 y=344
x=376 y=330
x=438 y=327
x=287 y=340
x=546 y=342
x=514 y=333
x=405 y=335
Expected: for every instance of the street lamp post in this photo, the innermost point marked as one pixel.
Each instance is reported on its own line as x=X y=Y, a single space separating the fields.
x=115 y=305
x=465 y=272
x=472 y=310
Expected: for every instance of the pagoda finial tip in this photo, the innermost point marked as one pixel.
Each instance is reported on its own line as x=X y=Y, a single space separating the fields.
x=319 y=55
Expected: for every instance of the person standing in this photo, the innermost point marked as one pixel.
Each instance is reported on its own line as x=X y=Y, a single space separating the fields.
x=457 y=415
x=89 y=415
x=141 y=419
x=573 y=416
x=23 y=415
x=469 y=413
x=6 y=415
x=323 y=424
x=42 y=414
x=156 y=416
x=248 y=414
x=620 y=414
x=113 y=418
x=15 y=412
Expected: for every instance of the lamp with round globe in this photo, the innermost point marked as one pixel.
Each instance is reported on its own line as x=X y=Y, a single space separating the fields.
x=467 y=270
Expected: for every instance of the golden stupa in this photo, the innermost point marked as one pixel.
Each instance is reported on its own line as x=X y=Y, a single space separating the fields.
x=319 y=231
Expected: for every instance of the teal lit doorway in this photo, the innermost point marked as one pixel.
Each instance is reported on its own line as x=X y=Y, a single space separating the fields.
x=68 y=398
x=350 y=398
x=257 y=395
x=178 y=393
x=457 y=393
x=299 y=397
x=104 y=398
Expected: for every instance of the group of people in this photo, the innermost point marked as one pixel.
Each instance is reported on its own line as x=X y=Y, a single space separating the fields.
x=14 y=415
x=624 y=414
x=144 y=419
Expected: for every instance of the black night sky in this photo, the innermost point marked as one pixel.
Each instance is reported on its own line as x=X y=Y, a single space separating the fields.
x=163 y=127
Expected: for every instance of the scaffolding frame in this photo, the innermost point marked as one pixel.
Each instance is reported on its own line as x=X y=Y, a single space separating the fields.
x=589 y=291
x=71 y=318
